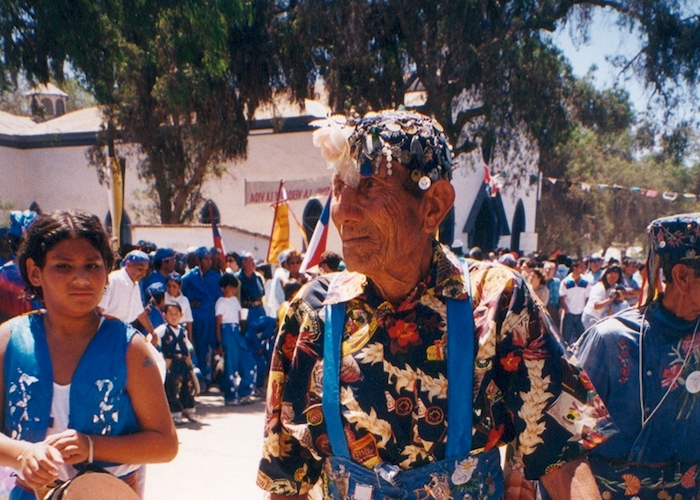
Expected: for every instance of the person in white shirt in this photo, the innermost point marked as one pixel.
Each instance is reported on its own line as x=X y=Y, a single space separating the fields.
x=122 y=296
x=173 y=295
x=573 y=295
x=237 y=355
x=602 y=295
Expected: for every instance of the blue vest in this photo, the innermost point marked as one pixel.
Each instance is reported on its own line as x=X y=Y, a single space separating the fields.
x=99 y=403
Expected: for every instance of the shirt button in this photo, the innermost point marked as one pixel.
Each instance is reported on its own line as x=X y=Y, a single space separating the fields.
x=649 y=373
x=647 y=409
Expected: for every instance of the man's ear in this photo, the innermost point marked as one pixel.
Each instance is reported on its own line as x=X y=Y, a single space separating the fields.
x=33 y=272
x=437 y=201
x=682 y=276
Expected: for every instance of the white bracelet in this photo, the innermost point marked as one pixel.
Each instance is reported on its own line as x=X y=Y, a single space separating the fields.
x=91 y=449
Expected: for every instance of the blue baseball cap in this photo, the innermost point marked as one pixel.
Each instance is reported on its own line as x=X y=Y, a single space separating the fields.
x=155 y=289
x=163 y=253
x=136 y=257
x=20 y=221
x=202 y=252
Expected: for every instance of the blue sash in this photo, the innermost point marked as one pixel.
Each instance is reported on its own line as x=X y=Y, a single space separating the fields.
x=458 y=473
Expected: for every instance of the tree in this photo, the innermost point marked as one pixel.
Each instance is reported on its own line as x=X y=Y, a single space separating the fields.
x=497 y=51
x=181 y=79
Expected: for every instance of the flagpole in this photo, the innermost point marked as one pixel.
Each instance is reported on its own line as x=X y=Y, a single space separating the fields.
x=274 y=219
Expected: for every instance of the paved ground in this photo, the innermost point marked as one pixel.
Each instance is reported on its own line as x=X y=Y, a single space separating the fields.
x=218 y=458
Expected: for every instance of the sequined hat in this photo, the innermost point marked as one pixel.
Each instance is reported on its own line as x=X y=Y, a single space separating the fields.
x=677 y=236
x=672 y=240
x=355 y=147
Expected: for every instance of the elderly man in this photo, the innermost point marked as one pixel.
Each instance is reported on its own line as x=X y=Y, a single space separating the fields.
x=372 y=363
x=646 y=364
x=122 y=296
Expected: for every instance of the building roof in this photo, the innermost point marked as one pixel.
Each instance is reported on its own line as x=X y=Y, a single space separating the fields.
x=13 y=125
x=46 y=89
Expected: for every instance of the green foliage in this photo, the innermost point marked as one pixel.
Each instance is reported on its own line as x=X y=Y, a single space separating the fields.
x=179 y=78
x=581 y=222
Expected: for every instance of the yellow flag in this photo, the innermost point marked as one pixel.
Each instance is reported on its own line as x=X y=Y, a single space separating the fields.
x=279 y=237
x=116 y=199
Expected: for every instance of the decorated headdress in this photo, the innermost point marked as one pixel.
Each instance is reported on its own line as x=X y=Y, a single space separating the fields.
x=672 y=240
x=355 y=147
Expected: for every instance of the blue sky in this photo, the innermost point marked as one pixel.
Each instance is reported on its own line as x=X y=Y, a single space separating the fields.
x=607 y=39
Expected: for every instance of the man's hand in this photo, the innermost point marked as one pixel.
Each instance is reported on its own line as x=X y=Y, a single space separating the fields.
x=573 y=481
x=517 y=487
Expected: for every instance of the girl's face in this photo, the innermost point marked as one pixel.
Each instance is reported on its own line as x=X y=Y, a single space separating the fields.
x=612 y=277
x=73 y=278
x=172 y=288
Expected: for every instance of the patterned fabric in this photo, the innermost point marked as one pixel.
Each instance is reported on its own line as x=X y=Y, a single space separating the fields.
x=609 y=352
x=394 y=378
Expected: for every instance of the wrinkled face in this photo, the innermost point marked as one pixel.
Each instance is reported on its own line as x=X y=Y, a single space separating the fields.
x=136 y=270
x=378 y=221
x=73 y=278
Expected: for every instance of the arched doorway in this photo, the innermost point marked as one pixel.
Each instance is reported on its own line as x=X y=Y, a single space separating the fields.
x=124 y=230
x=312 y=212
x=487 y=221
x=518 y=225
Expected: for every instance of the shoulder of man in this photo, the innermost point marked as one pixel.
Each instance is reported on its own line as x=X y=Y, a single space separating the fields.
x=314 y=292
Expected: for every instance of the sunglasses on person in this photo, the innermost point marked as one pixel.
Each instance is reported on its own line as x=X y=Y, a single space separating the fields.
x=293 y=262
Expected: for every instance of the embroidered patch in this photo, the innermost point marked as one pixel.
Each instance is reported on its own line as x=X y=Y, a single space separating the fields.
x=624 y=358
x=314 y=416
x=434 y=415
x=404 y=406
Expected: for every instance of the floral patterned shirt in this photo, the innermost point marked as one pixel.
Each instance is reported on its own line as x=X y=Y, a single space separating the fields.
x=609 y=352
x=394 y=378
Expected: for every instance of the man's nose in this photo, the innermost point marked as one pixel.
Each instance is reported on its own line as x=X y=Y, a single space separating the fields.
x=346 y=206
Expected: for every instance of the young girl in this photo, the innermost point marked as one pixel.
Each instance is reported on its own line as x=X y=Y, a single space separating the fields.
x=179 y=383
x=77 y=388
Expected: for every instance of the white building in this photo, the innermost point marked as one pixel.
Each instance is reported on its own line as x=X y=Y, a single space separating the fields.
x=46 y=164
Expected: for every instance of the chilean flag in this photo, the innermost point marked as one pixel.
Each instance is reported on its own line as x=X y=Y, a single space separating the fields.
x=317 y=245
x=218 y=242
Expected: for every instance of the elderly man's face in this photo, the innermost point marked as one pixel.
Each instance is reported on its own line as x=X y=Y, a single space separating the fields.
x=136 y=270
x=379 y=222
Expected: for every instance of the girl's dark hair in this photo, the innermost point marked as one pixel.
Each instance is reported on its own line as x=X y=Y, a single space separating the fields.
x=611 y=269
x=49 y=230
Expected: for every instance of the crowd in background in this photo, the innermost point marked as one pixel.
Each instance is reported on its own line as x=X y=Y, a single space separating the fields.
x=577 y=292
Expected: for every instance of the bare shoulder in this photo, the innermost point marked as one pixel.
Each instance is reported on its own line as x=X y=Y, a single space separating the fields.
x=4 y=337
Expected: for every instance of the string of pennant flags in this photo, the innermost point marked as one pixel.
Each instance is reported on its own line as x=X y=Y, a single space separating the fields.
x=649 y=193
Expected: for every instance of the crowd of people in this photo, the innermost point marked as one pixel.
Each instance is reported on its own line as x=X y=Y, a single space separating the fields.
x=576 y=292
x=401 y=370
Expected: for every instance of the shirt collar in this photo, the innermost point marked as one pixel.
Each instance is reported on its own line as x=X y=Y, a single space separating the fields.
x=445 y=279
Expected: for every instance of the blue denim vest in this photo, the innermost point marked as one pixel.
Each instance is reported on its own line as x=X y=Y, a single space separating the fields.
x=99 y=404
